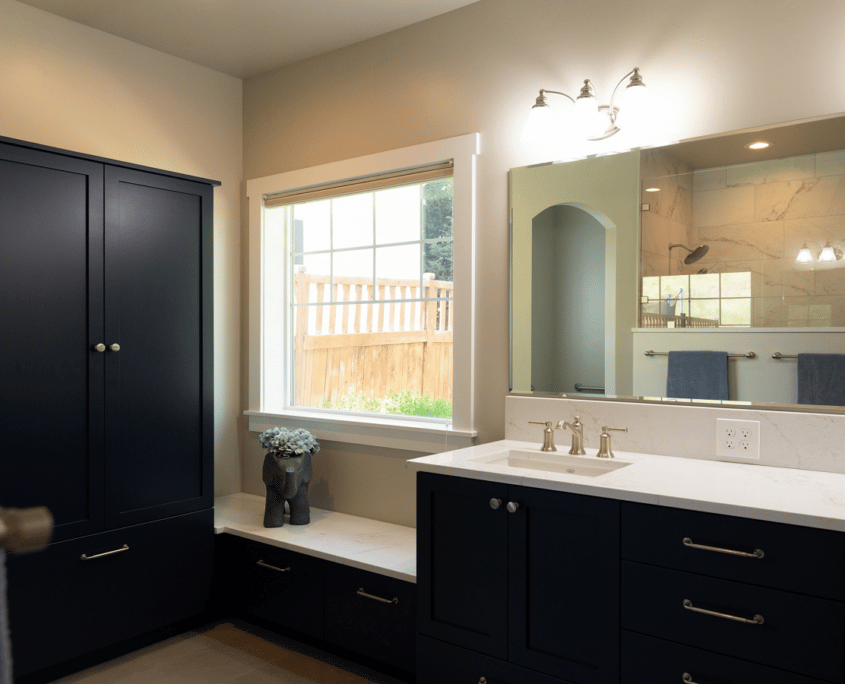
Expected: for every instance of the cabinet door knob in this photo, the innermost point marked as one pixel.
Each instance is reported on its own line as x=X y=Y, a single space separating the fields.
x=495 y=503
x=114 y=347
x=687 y=677
x=512 y=506
x=100 y=347
x=483 y=680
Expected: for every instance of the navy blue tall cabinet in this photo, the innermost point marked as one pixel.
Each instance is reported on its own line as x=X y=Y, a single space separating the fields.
x=107 y=396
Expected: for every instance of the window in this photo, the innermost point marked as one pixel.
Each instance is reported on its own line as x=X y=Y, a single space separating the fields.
x=361 y=306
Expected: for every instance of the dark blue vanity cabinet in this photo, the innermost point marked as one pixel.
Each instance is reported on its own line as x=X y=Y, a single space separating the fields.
x=106 y=385
x=729 y=599
x=585 y=590
x=523 y=582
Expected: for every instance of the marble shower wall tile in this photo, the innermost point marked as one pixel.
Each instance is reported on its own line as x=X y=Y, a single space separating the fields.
x=742 y=241
x=655 y=163
x=673 y=178
x=817 y=229
x=776 y=170
x=830 y=281
x=708 y=179
x=782 y=277
x=658 y=232
x=810 y=441
x=727 y=206
x=811 y=197
x=830 y=163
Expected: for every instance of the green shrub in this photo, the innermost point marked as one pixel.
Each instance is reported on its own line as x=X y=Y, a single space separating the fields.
x=405 y=403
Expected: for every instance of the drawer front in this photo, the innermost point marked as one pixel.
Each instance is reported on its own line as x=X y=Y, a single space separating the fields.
x=441 y=663
x=372 y=615
x=61 y=606
x=800 y=559
x=801 y=634
x=281 y=586
x=646 y=660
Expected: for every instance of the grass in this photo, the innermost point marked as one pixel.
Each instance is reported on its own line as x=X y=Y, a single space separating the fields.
x=405 y=403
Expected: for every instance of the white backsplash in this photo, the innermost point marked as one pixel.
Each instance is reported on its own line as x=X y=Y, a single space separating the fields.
x=809 y=441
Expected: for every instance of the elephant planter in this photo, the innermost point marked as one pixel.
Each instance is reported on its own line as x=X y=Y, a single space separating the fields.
x=286 y=480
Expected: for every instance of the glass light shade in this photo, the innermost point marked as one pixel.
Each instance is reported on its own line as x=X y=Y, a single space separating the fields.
x=804 y=255
x=540 y=128
x=585 y=116
x=636 y=108
x=827 y=253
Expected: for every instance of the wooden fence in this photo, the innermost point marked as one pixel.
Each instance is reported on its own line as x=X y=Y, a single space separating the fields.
x=654 y=320
x=372 y=345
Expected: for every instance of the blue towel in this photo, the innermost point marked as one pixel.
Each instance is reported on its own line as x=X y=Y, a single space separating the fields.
x=697 y=375
x=821 y=379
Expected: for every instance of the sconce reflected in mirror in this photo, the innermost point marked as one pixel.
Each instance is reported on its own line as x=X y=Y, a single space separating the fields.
x=827 y=254
x=589 y=119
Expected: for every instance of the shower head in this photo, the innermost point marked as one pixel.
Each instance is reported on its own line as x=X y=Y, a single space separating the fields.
x=694 y=254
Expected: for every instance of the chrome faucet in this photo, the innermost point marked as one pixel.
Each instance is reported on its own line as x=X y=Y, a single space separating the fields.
x=548 y=434
x=577 y=435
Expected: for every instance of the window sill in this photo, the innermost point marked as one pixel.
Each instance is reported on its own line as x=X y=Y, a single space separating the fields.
x=409 y=435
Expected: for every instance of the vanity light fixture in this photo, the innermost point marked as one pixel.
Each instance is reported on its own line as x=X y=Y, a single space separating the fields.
x=591 y=120
x=759 y=145
x=652 y=189
x=828 y=253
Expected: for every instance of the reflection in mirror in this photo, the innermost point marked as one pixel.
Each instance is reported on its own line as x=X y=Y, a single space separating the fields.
x=740 y=250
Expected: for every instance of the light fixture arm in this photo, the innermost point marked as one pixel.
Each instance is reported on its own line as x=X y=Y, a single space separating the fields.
x=637 y=78
x=556 y=92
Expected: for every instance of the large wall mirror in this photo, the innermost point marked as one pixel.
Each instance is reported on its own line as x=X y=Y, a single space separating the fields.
x=708 y=244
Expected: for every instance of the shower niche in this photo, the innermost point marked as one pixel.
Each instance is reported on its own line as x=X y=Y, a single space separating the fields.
x=748 y=245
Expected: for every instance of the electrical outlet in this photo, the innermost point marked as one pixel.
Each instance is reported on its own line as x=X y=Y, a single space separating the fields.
x=738 y=439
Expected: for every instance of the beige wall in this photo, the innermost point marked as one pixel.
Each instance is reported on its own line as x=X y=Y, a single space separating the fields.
x=716 y=66
x=72 y=87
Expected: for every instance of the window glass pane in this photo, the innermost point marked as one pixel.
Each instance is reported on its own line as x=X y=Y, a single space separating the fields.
x=736 y=312
x=398 y=263
x=398 y=214
x=311 y=278
x=704 y=286
x=437 y=208
x=352 y=265
x=705 y=308
x=736 y=284
x=312 y=222
x=438 y=260
x=352 y=221
x=651 y=287
x=671 y=285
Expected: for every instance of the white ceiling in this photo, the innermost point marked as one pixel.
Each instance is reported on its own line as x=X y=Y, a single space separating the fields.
x=247 y=37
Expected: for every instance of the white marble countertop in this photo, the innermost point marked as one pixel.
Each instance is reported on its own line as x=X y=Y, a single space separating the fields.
x=372 y=545
x=786 y=495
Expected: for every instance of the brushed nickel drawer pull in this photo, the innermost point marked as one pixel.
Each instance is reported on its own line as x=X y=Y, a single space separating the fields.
x=687 y=677
x=757 y=553
x=86 y=557
x=363 y=593
x=272 y=567
x=756 y=620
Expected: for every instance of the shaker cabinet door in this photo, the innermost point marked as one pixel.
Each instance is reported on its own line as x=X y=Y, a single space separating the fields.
x=51 y=388
x=158 y=315
x=462 y=567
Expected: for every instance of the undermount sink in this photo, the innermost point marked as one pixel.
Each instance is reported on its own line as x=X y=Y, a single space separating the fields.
x=553 y=461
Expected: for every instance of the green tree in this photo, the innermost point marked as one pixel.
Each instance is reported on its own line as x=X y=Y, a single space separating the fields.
x=437 y=223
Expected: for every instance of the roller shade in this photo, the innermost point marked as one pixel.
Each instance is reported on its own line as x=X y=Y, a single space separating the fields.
x=362 y=184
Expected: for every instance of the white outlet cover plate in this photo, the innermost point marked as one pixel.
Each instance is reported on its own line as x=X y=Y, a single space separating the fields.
x=737 y=453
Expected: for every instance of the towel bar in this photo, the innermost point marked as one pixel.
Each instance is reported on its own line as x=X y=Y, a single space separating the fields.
x=747 y=355
x=778 y=355
x=585 y=388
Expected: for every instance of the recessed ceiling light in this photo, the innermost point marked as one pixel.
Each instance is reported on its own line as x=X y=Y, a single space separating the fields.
x=652 y=189
x=759 y=145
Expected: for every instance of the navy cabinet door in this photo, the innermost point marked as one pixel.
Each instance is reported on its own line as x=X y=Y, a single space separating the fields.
x=158 y=309
x=563 y=606
x=51 y=317
x=462 y=567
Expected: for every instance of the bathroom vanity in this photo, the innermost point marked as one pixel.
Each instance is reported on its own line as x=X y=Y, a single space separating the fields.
x=665 y=570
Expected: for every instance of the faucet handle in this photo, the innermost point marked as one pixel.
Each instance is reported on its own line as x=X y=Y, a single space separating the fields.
x=604 y=441
x=548 y=434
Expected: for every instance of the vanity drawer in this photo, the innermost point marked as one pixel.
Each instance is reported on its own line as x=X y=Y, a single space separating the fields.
x=646 y=660
x=277 y=585
x=442 y=663
x=799 y=559
x=372 y=614
x=801 y=634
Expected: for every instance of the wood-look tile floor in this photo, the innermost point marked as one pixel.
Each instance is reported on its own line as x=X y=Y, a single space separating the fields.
x=226 y=654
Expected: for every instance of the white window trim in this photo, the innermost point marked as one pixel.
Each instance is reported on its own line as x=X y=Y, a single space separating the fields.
x=377 y=430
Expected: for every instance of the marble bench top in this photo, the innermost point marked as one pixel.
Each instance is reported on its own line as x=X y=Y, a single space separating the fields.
x=372 y=545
